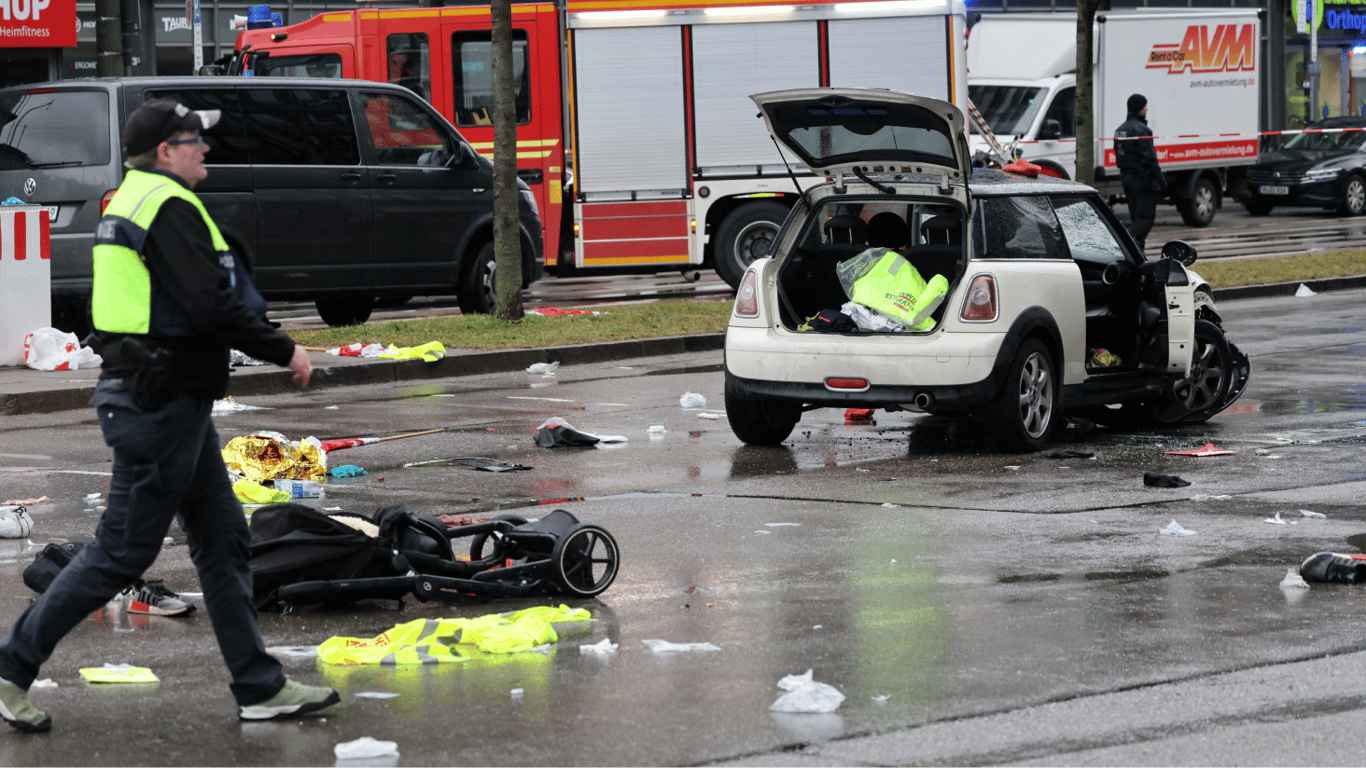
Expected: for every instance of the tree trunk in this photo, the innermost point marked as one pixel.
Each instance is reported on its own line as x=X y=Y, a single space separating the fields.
x=1086 y=132
x=507 y=252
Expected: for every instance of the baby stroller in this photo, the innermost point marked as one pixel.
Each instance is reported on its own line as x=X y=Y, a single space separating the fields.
x=300 y=556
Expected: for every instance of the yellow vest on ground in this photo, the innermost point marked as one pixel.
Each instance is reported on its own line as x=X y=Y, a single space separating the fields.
x=442 y=641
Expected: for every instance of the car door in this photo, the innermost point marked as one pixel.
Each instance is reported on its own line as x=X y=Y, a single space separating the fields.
x=428 y=189
x=312 y=203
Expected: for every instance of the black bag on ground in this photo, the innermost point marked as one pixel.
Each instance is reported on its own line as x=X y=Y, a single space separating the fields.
x=50 y=562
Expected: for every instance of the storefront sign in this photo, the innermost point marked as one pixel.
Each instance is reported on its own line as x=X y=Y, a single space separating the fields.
x=1344 y=18
x=37 y=23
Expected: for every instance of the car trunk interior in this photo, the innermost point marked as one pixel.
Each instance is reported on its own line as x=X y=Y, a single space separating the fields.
x=927 y=234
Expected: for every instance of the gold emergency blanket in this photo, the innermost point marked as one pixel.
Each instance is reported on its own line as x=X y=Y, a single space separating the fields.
x=443 y=641
x=261 y=457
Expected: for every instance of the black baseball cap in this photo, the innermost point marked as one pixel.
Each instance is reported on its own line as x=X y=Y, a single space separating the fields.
x=159 y=120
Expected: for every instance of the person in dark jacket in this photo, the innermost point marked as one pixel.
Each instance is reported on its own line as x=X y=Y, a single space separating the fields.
x=1143 y=179
x=170 y=300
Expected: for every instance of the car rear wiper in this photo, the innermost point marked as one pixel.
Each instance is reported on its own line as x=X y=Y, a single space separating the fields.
x=57 y=164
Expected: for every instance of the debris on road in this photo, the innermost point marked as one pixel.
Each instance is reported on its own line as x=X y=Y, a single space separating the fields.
x=1208 y=450
x=348 y=470
x=557 y=312
x=228 y=405
x=547 y=369
x=1174 y=529
x=118 y=673
x=692 y=400
x=439 y=641
x=712 y=416
x=664 y=646
x=351 y=442
x=269 y=455
x=555 y=432
x=489 y=465
x=250 y=492
x=1309 y=513
x=1278 y=521
x=27 y=502
x=1068 y=453
x=602 y=648
x=805 y=696
x=1305 y=290
x=1155 y=480
x=365 y=748
x=858 y=415
x=15 y=522
x=1293 y=579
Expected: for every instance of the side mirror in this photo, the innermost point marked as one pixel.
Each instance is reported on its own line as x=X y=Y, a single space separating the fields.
x=460 y=157
x=213 y=69
x=1179 y=251
x=1051 y=130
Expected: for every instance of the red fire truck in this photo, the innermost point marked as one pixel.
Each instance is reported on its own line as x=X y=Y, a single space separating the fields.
x=635 y=130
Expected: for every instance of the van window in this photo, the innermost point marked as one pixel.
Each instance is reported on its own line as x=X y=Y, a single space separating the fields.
x=402 y=133
x=299 y=126
x=1017 y=227
x=408 y=63
x=307 y=65
x=68 y=128
x=228 y=140
x=472 y=60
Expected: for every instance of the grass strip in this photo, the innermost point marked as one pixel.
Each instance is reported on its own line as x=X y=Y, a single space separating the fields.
x=1230 y=273
x=681 y=317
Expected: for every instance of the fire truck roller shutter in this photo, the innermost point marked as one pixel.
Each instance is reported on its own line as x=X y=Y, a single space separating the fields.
x=919 y=41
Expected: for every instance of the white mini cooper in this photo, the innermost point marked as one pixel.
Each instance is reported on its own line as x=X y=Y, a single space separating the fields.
x=1050 y=307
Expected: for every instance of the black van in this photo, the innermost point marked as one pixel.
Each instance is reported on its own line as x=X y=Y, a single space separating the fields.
x=340 y=192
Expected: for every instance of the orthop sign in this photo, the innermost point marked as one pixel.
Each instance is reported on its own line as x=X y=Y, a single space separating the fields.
x=1345 y=19
x=37 y=23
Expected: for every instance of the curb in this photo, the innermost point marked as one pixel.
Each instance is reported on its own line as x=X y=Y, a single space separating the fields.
x=352 y=372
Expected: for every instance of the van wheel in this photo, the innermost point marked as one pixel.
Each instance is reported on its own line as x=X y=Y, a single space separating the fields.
x=476 y=284
x=1027 y=409
x=759 y=421
x=1353 y=196
x=352 y=310
x=745 y=235
x=1204 y=203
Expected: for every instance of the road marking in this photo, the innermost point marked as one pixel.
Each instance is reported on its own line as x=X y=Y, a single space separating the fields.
x=547 y=399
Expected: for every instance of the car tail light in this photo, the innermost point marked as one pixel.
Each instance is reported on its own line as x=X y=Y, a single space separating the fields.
x=857 y=385
x=104 y=201
x=747 y=297
x=980 y=305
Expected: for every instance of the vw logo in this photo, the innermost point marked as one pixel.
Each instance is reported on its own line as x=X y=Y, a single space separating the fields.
x=30 y=186
x=1276 y=175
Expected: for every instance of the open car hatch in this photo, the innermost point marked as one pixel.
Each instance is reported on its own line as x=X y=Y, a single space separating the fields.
x=876 y=131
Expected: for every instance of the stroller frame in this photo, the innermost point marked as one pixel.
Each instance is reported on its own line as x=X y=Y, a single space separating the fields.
x=509 y=557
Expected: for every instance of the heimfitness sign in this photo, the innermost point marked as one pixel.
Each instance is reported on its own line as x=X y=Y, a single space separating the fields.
x=38 y=23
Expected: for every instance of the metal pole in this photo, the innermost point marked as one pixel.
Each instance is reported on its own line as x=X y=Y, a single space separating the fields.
x=1314 y=67
x=197 y=38
x=108 y=39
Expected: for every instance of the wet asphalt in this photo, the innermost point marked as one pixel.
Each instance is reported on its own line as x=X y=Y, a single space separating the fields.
x=973 y=607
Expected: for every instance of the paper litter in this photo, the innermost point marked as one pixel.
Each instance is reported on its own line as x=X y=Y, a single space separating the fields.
x=364 y=748
x=664 y=646
x=1174 y=529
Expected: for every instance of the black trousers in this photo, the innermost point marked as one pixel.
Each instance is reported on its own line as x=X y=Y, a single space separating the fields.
x=167 y=465
x=1142 y=210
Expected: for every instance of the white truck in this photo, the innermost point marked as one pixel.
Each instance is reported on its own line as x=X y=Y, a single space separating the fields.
x=1198 y=67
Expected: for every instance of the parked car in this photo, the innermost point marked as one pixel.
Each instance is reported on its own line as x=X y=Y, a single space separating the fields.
x=1050 y=308
x=1324 y=170
x=340 y=192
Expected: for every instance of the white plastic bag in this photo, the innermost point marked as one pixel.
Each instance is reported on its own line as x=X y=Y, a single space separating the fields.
x=48 y=349
x=692 y=400
x=15 y=522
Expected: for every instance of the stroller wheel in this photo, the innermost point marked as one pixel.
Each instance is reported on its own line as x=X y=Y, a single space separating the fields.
x=585 y=560
x=478 y=540
x=424 y=589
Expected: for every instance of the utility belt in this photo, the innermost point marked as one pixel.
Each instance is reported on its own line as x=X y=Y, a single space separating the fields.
x=149 y=374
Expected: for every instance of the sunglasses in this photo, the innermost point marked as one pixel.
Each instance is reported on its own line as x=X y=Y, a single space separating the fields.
x=177 y=142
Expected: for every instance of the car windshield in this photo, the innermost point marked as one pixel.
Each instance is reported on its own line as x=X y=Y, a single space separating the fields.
x=1008 y=110
x=1342 y=141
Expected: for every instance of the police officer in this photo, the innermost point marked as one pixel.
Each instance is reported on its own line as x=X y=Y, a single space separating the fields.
x=1143 y=179
x=169 y=302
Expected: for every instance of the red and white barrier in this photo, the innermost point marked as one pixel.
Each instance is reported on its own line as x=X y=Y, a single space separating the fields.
x=25 y=278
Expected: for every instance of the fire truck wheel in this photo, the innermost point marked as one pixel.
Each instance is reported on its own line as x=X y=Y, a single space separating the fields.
x=745 y=235
x=476 y=284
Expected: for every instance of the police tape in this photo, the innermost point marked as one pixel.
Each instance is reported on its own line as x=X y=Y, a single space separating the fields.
x=1253 y=134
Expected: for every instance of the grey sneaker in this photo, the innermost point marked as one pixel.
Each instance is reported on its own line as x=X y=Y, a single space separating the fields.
x=293 y=700
x=18 y=712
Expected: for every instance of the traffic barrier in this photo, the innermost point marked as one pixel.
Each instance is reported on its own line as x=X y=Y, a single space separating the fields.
x=1290 y=132
x=25 y=278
